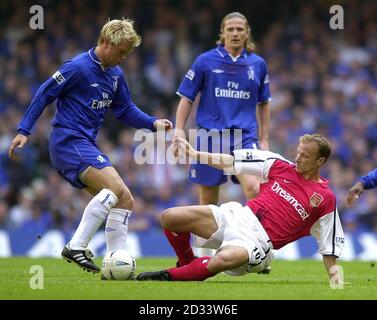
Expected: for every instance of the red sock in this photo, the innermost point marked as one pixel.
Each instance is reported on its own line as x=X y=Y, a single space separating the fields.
x=181 y=245
x=196 y=270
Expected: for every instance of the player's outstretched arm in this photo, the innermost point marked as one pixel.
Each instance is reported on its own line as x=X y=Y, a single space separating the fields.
x=18 y=142
x=354 y=193
x=333 y=270
x=216 y=160
x=183 y=111
x=329 y=261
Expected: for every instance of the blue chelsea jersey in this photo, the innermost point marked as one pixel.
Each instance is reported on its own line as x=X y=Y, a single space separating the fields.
x=84 y=92
x=230 y=90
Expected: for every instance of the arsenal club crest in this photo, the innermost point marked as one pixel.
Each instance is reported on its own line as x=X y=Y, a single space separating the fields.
x=315 y=199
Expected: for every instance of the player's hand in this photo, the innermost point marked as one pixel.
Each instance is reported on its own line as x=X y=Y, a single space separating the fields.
x=18 y=142
x=337 y=277
x=185 y=147
x=354 y=193
x=163 y=124
x=178 y=133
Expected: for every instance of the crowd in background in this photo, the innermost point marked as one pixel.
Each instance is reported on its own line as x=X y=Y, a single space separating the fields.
x=322 y=80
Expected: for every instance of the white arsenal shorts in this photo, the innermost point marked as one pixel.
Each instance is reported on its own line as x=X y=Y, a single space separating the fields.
x=238 y=226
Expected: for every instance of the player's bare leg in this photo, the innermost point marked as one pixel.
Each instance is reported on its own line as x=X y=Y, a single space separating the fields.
x=227 y=258
x=198 y=220
x=250 y=185
x=108 y=177
x=111 y=198
x=117 y=221
x=179 y=223
x=207 y=195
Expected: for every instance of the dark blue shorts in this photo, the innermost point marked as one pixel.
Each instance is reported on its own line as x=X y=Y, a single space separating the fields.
x=71 y=152
x=208 y=176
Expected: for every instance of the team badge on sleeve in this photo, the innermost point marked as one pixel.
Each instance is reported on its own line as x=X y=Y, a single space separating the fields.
x=315 y=199
x=249 y=155
x=190 y=74
x=58 y=77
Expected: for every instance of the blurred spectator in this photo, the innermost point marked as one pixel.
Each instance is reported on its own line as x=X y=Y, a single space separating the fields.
x=22 y=212
x=4 y=224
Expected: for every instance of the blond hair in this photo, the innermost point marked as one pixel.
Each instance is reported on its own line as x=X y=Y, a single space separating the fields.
x=249 y=44
x=116 y=31
x=324 y=146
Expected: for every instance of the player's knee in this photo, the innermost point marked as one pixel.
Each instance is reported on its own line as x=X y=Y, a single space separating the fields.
x=125 y=197
x=167 y=218
x=129 y=202
x=223 y=260
x=126 y=200
x=118 y=188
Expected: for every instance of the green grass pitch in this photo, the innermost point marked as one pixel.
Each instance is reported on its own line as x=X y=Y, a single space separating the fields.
x=303 y=279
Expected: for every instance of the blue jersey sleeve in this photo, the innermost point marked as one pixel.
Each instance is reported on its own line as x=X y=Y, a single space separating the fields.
x=264 y=89
x=192 y=83
x=370 y=180
x=127 y=112
x=63 y=79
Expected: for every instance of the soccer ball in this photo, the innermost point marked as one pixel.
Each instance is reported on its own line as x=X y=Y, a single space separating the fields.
x=118 y=265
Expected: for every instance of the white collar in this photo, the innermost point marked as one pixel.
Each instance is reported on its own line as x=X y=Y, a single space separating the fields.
x=97 y=61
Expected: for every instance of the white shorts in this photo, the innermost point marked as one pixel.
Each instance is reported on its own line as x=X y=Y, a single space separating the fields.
x=238 y=226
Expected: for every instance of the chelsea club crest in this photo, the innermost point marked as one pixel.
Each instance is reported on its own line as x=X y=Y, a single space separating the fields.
x=250 y=73
x=115 y=83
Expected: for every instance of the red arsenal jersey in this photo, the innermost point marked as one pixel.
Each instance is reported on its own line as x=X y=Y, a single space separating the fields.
x=288 y=206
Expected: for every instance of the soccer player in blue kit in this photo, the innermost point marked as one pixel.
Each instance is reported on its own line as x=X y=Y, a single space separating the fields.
x=233 y=84
x=85 y=88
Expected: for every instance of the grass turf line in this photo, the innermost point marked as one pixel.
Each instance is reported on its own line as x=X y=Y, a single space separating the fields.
x=302 y=279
